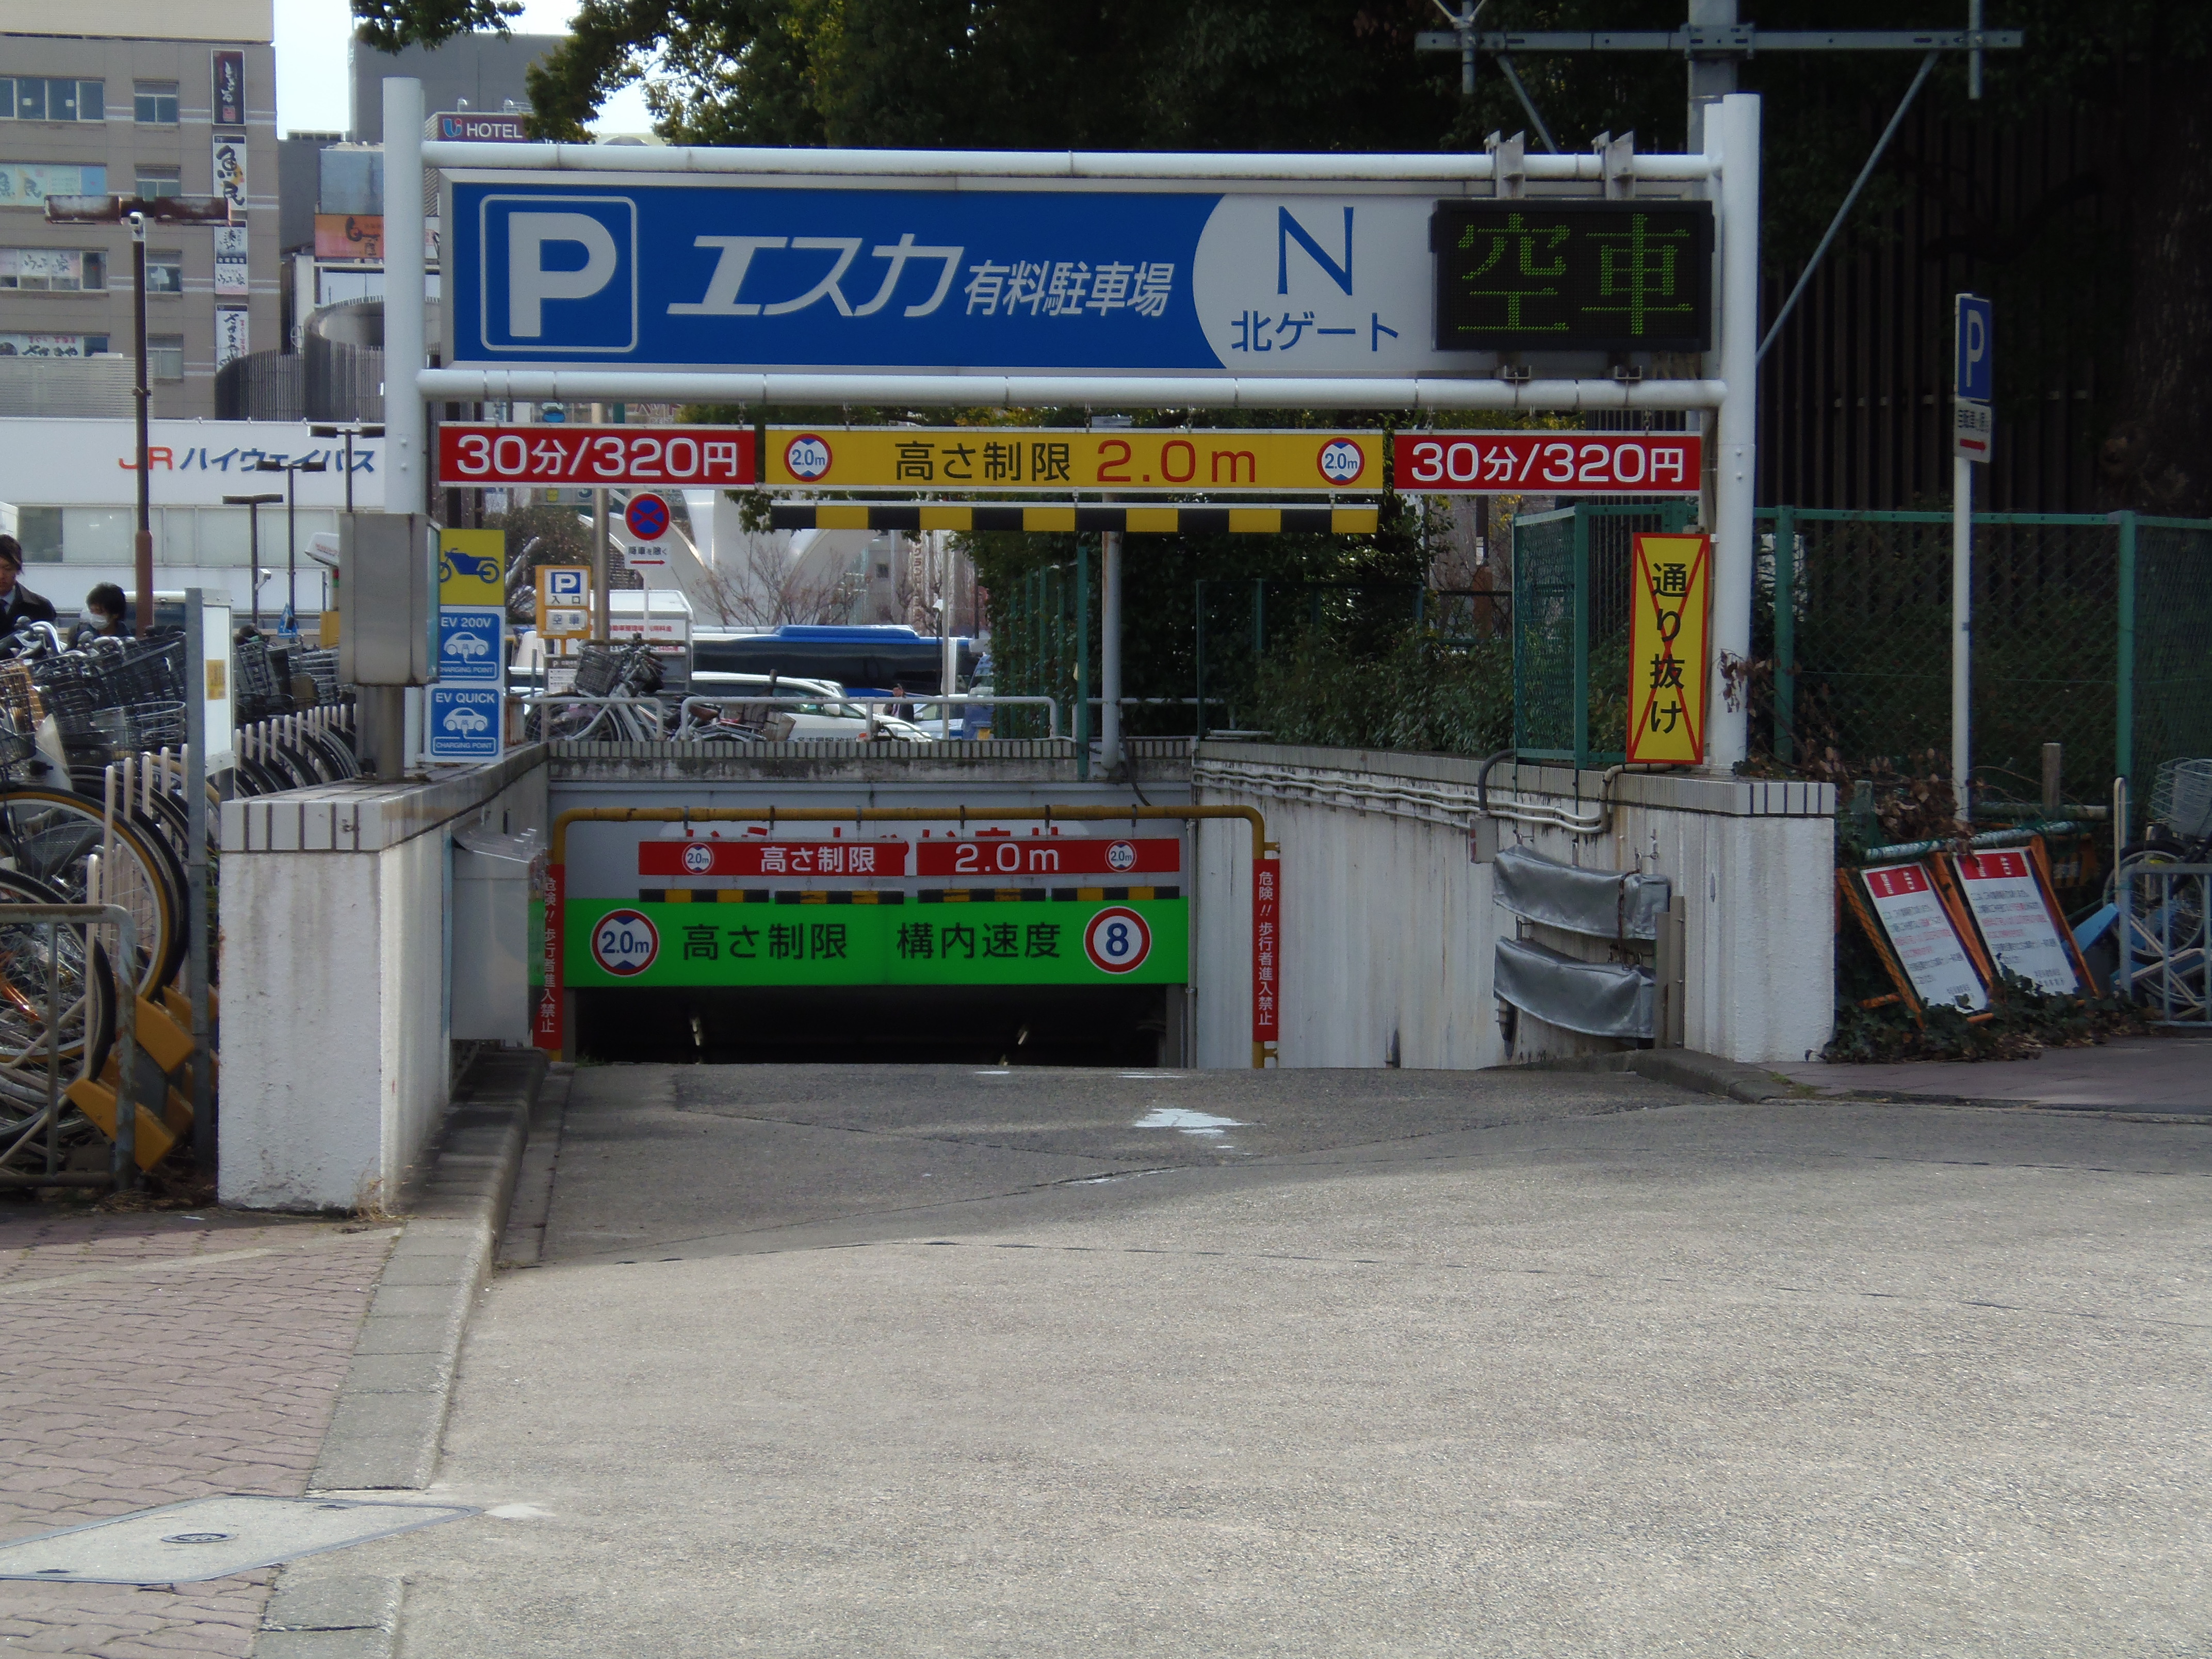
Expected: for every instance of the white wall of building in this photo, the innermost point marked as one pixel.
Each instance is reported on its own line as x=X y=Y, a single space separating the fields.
x=75 y=483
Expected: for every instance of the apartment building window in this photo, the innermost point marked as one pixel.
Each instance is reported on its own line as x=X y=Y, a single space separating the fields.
x=158 y=181
x=51 y=270
x=154 y=103
x=36 y=98
x=165 y=270
x=165 y=356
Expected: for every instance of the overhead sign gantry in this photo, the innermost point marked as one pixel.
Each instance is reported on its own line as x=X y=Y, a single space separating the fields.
x=1609 y=281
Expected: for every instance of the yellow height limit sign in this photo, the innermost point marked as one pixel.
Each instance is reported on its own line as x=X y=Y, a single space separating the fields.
x=1128 y=460
x=1670 y=606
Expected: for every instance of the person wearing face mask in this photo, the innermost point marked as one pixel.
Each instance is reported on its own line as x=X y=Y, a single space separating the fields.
x=102 y=617
x=18 y=605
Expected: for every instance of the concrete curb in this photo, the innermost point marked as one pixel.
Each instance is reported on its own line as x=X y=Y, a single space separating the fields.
x=1685 y=1068
x=343 y=1616
x=391 y=1410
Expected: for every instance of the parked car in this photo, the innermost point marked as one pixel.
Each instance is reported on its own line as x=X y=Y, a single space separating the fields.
x=830 y=713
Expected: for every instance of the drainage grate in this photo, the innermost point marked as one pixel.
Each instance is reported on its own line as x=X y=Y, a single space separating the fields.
x=211 y=1538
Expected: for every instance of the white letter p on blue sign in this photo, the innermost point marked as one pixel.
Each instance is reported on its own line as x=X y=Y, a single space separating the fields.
x=570 y=273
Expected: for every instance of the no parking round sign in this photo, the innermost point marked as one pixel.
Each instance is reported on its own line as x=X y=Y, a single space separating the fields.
x=645 y=517
x=1117 y=941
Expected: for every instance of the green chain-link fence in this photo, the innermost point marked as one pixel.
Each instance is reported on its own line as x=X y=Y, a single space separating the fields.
x=1570 y=574
x=2094 y=633
x=1368 y=663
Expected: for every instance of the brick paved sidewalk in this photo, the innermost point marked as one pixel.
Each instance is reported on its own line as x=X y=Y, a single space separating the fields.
x=147 y=1358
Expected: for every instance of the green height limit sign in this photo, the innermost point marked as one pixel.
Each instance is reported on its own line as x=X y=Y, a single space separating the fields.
x=609 y=943
x=1530 y=274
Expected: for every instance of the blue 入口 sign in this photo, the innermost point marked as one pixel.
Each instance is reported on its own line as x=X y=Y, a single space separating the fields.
x=472 y=644
x=1974 y=370
x=461 y=723
x=732 y=274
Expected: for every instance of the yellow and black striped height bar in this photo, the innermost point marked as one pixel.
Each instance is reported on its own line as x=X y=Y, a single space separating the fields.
x=1084 y=515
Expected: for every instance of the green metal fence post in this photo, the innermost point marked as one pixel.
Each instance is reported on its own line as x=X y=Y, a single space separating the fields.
x=1198 y=652
x=1259 y=621
x=2124 y=667
x=1082 y=661
x=1581 y=687
x=1785 y=633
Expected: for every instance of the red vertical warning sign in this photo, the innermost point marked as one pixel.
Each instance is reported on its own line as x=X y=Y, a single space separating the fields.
x=1267 y=949
x=545 y=1030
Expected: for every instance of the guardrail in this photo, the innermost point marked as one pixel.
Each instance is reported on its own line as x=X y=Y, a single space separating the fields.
x=45 y=1040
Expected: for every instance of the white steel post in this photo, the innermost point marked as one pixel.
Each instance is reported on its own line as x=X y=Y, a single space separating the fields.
x=388 y=712
x=405 y=427
x=1110 y=650
x=1962 y=631
x=1732 y=136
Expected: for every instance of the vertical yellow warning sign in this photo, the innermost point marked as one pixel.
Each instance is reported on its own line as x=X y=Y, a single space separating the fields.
x=1671 y=608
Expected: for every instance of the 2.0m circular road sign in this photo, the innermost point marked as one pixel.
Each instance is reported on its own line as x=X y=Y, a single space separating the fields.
x=647 y=517
x=624 y=943
x=1117 y=940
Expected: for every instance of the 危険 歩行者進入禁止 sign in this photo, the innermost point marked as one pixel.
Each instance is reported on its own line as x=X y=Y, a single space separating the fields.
x=1007 y=276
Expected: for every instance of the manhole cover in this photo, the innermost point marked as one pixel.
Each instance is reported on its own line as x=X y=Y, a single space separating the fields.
x=211 y=1538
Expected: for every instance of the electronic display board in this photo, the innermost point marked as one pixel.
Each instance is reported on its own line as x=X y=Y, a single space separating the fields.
x=1529 y=274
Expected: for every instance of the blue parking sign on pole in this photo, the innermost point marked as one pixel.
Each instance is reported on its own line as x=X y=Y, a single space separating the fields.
x=1974 y=370
x=462 y=722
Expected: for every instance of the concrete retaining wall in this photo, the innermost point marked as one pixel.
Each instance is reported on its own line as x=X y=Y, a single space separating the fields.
x=1388 y=925
x=337 y=1061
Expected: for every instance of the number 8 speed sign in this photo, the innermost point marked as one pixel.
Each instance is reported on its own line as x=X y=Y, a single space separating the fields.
x=1117 y=940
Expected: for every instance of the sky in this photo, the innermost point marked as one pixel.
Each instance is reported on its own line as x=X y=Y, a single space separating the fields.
x=311 y=36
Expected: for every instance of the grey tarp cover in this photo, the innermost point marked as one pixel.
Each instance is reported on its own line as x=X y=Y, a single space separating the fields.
x=1608 y=903
x=1604 y=999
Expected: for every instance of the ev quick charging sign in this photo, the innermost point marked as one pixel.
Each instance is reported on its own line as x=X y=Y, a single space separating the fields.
x=700 y=274
x=462 y=715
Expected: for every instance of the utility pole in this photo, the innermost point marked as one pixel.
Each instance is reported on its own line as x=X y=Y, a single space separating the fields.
x=1711 y=77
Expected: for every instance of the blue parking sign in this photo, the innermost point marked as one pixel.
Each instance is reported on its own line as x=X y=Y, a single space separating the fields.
x=471 y=644
x=1974 y=367
x=461 y=723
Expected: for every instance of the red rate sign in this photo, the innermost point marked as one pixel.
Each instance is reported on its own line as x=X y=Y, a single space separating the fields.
x=498 y=457
x=1549 y=463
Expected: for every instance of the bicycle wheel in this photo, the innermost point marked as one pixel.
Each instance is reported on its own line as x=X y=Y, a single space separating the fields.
x=52 y=835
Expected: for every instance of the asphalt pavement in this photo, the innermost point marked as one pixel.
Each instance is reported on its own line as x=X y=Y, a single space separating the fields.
x=946 y=1361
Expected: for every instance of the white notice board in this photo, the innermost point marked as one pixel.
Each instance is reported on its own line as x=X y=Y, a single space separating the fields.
x=1922 y=933
x=2008 y=905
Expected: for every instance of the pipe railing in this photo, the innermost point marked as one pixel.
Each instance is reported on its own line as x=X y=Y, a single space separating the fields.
x=874 y=707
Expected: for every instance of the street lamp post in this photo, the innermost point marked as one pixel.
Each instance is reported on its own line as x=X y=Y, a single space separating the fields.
x=349 y=432
x=253 y=504
x=292 y=470
x=135 y=211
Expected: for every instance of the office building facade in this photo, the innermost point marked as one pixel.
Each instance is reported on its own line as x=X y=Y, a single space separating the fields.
x=151 y=98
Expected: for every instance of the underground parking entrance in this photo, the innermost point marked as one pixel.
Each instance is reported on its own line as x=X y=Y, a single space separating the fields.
x=941 y=1025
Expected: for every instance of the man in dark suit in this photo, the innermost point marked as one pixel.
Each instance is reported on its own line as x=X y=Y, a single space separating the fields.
x=18 y=605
